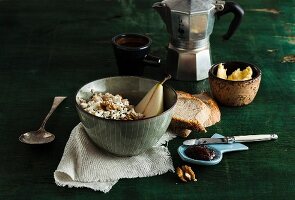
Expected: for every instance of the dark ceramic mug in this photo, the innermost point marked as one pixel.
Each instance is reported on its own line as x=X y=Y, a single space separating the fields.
x=132 y=53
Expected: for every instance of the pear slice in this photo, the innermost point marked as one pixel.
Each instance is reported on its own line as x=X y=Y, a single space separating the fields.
x=140 y=107
x=152 y=103
x=156 y=104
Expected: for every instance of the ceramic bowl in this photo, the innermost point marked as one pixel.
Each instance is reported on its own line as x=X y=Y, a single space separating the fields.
x=122 y=137
x=234 y=93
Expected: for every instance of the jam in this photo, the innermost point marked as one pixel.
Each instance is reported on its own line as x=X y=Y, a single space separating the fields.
x=200 y=152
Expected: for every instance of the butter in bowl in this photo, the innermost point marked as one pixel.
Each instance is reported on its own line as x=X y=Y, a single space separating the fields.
x=234 y=83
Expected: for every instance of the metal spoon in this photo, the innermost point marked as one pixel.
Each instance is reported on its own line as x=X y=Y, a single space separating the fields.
x=41 y=136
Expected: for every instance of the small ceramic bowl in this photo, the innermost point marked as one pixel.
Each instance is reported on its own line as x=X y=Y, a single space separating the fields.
x=126 y=137
x=234 y=93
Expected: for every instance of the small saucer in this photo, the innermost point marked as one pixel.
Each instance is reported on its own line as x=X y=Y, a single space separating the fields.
x=218 y=148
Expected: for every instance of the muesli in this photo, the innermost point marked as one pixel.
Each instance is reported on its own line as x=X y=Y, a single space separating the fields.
x=109 y=106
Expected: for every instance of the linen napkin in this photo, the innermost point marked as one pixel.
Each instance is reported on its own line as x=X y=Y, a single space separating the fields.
x=84 y=165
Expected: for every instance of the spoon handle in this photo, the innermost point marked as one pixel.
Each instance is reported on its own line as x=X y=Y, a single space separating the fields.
x=56 y=102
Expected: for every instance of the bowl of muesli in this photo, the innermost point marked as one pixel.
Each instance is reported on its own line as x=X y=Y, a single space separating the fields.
x=106 y=110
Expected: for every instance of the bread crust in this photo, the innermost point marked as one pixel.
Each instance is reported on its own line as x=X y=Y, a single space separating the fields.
x=182 y=132
x=187 y=124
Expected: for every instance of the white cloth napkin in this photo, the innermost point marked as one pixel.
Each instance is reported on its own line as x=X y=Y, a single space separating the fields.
x=84 y=165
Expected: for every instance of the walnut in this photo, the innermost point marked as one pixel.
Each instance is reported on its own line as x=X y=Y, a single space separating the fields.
x=180 y=174
x=185 y=173
x=111 y=106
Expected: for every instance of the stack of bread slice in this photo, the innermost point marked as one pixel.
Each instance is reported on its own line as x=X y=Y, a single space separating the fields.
x=194 y=112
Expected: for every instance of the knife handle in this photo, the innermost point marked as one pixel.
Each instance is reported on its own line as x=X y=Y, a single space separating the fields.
x=255 y=138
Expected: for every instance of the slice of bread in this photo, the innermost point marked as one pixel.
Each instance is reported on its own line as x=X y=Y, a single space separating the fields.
x=193 y=112
x=190 y=113
x=215 y=114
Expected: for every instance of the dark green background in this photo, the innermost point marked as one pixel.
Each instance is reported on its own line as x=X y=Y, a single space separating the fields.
x=52 y=47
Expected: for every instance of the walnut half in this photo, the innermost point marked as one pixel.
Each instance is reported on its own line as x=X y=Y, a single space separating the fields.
x=185 y=173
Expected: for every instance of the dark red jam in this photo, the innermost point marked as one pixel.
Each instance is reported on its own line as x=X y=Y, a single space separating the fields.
x=200 y=152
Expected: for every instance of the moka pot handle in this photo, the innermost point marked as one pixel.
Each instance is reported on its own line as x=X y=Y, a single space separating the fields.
x=236 y=9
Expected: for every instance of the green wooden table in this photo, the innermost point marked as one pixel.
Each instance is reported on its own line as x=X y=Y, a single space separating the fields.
x=52 y=47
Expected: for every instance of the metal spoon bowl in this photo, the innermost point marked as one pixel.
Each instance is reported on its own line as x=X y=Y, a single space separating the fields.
x=41 y=136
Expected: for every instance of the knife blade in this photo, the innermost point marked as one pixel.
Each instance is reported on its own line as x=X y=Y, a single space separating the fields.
x=231 y=139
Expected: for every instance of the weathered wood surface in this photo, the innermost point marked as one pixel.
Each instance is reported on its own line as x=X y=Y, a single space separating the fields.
x=52 y=47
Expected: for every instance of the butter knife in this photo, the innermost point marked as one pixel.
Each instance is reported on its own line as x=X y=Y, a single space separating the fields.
x=231 y=139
